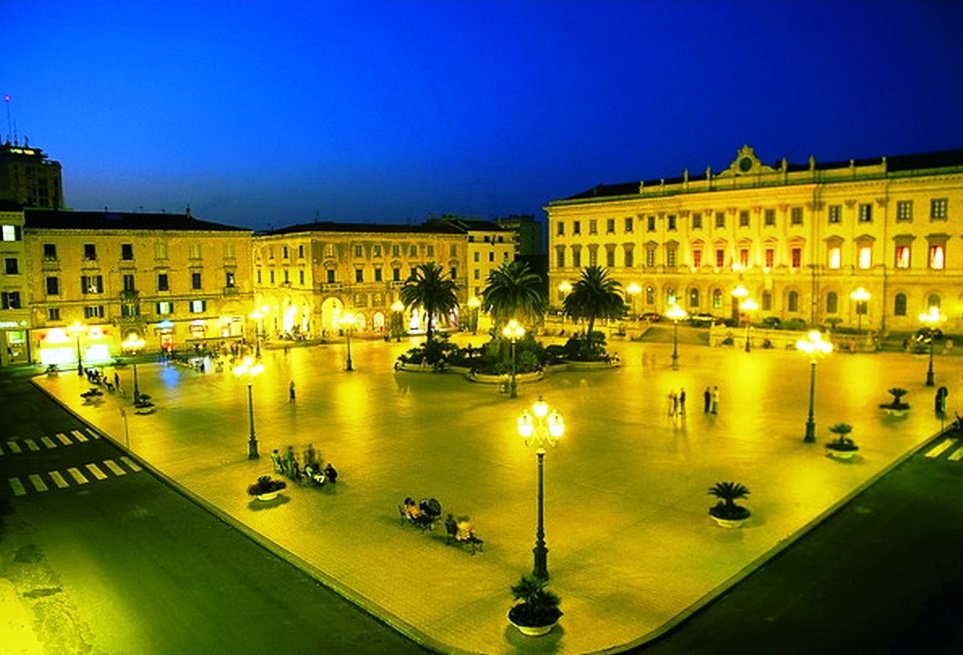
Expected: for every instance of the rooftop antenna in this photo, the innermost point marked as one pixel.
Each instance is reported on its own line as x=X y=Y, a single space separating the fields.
x=6 y=101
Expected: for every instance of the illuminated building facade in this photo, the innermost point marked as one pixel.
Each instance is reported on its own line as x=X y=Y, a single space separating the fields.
x=308 y=277
x=801 y=238
x=95 y=277
x=14 y=276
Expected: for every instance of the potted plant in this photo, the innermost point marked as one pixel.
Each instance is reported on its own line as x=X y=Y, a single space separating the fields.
x=266 y=488
x=727 y=512
x=896 y=407
x=842 y=447
x=536 y=610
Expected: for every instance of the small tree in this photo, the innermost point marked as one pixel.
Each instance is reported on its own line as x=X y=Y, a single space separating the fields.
x=536 y=606
x=842 y=440
x=728 y=493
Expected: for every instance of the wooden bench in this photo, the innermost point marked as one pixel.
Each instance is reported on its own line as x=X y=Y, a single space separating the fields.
x=474 y=542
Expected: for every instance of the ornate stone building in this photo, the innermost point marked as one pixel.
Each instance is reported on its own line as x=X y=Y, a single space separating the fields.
x=801 y=238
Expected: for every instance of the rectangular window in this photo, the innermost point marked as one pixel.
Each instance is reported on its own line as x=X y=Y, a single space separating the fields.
x=196 y=281
x=165 y=307
x=650 y=223
x=127 y=251
x=287 y=279
x=576 y=227
x=301 y=251
x=330 y=276
x=429 y=251
x=629 y=258
x=11 y=300
x=11 y=232
x=396 y=250
x=160 y=251
x=720 y=219
x=671 y=255
x=610 y=258
x=284 y=252
x=720 y=258
x=377 y=275
x=865 y=257
x=128 y=281
x=904 y=210
x=358 y=251
x=938 y=209
x=270 y=277
x=835 y=213
x=650 y=257
x=198 y=306
x=163 y=284
x=770 y=257
x=396 y=274
x=194 y=250
x=769 y=217
x=697 y=221
x=413 y=252
x=744 y=257
x=796 y=256
x=902 y=256
x=865 y=213
x=94 y=311
x=834 y=257
x=477 y=274
x=743 y=218
x=453 y=272
x=672 y=222
x=50 y=252
x=91 y=284
x=53 y=286
x=937 y=257
x=593 y=257
x=796 y=216
x=610 y=226
x=53 y=314
x=560 y=228
x=359 y=275
x=696 y=258
x=593 y=226
x=90 y=252
x=577 y=258
x=11 y=266
x=230 y=279
x=628 y=224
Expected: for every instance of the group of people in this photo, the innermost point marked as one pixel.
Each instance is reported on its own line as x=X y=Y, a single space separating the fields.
x=676 y=402
x=423 y=514
x=308 y=470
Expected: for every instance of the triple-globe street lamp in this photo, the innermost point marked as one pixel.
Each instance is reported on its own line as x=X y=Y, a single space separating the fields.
x=347 y=323
x=931 y=319
x=633 y=290
x=258 y=316
x=132 y=344
x=397 y=320
x=250 y=369
x=860 y=295
x=676 y=314
x=514 y=331
x=814 y=346
x=78 y=329
x=746 y=306
x=545 y=427
x=473 y=304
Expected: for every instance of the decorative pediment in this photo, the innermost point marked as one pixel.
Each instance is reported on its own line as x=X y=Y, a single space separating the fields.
x=746 y=163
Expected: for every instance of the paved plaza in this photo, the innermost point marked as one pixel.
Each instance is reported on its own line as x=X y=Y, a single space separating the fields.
x=632 y=548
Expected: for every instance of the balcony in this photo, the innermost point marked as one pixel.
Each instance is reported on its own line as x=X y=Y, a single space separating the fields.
x=331 y=286
x=231 y=291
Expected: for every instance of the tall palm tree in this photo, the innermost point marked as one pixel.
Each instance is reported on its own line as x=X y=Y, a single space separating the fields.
x=430 y=288
x=514 y=291
x=594 y=295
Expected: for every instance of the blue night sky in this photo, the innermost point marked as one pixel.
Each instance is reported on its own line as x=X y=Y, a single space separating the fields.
x=265 y=114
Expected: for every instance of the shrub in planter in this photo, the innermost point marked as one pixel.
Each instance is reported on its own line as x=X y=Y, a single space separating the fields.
x=842 y=444
x=536 y=606
x=897 y=403
x=266 y=484
x=727 y=509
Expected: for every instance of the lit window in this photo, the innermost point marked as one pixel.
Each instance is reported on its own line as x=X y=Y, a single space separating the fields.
x=696 y=258
x=865 y=257
x=720 y=258
x=770 y=257
x=744 y=257
x=902 y=257
x=10 y=232
x=197 y=306
x=937 y=257
x=835 y=257
x=796 y=255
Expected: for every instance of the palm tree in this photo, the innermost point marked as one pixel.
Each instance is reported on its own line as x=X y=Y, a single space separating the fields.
x=729 y=493
x=594 y=295
x=429 y=288
x=514 y=291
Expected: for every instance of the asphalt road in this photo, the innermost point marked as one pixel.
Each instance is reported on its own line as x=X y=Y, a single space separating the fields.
x=125 y=564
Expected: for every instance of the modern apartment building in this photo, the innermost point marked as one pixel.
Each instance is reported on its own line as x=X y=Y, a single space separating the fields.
x=29 y=178
x=97 y=277
x=801 y=238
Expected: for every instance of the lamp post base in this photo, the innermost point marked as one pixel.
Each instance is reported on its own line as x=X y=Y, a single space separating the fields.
x=810 y=432
x=252 y=449
x=513 y=389
x=930 y=380
x=540 y=570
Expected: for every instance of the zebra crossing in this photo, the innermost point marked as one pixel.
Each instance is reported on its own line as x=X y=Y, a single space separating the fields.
x=72 y=476
x=950 y=446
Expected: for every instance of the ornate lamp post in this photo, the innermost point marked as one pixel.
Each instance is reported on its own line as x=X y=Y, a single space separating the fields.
x=675 y=313
x=930 y=319
x=860 y=295
x=545 y=428
x=514 y=331
x=739 y=294
x=397 y=322
x=78 y=329
x=132 y=344
x=474 y=303
x=347 y=324
x=814 y=346
x=250 y=369
x=746 y=306
x=564 y=288
x=258 y=316
x=633 y=290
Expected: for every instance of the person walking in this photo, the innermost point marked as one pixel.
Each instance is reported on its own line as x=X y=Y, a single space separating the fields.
x=715 y=400
x=276 y=460
x=671 y=405
x=291 y=395
x=707 y=399
x=682 y=401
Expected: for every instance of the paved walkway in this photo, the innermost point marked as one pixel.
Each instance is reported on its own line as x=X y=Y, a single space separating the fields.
x=632 y=549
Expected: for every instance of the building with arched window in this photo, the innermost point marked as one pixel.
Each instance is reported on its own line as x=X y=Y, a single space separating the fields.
x=801 y=238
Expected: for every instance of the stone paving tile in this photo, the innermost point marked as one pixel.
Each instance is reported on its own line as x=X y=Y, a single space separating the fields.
x=631 y=544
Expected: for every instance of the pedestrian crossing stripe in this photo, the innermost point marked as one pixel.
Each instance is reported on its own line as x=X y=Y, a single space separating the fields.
x=79 y=435
x=131 y=463
x=58 y=479
x=957 y=455
x=940 y=448
x=14 y=447
x=17 y=487
x=32 y=445
x=38 y=482
x=48 y=442
x=77 y=476
x=97 y=473
x=114 y=468
x=63 y=439
x=93 y=434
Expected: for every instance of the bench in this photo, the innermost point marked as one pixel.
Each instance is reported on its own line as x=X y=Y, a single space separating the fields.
x=451 y=528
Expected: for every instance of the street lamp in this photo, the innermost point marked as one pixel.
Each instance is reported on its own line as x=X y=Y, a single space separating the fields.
x=514 y=331
x=675 y=313
x=347 y=323
x=564 y=288
x=814 y=346
x=746 y=306
x=930 y=319
x=474 y=303
x=860 y=295
x=132 y=344
x=250 y=369
x=257 y=316
x=739 y=294
x=544 y=428
x=397 y=322
x=77 y=329
x=633 y=290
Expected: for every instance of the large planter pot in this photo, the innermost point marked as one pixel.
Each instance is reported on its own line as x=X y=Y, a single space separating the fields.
x=533 y=631
x=270 y=495
x=895 y=412
x=728 y=523
x=840 y=454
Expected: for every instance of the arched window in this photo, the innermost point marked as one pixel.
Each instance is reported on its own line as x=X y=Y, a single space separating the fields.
x=899 y=304
x=793 y=301
x=767 y=301
x=693 y=297
x=650 y=296
x=832 y=302
x=670 y=297
x=717 y=298
x=933 y=301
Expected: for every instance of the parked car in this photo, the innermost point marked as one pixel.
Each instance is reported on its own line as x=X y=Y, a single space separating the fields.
x=651 y=317
x=705 y=320
x=927 y=334
x=772 y=322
